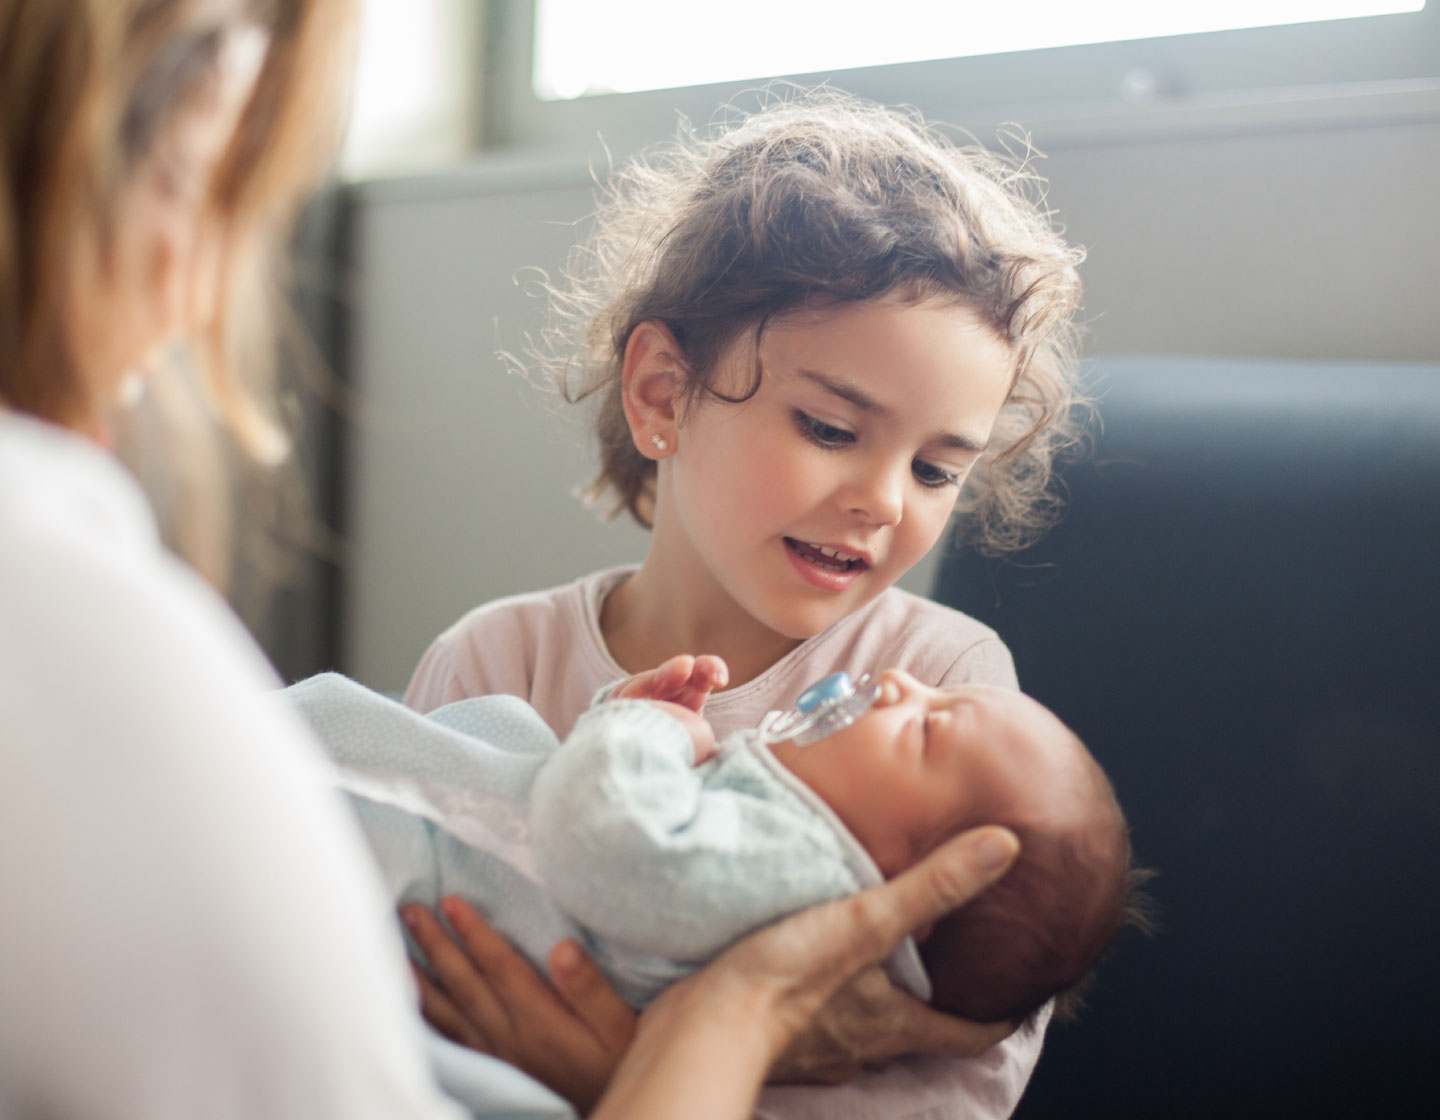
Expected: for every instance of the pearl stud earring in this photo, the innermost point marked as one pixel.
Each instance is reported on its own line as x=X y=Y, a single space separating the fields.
x=659 y=441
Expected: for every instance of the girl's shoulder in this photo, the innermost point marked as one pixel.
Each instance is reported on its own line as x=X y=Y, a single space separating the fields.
x=570 y=606
x=544 y=646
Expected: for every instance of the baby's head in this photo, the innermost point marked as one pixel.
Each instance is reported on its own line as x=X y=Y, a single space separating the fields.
x=815 y=201
x=923 y=765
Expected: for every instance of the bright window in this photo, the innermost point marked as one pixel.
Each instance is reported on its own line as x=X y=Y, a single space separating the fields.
x=585 y=47
x=414 y=85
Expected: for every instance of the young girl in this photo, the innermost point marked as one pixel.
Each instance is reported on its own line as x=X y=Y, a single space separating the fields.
x=810 y=336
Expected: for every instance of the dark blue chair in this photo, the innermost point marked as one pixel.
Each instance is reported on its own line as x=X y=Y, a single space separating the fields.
x=1239 y=613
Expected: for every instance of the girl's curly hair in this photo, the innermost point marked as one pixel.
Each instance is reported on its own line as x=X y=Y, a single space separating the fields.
x=824 y=197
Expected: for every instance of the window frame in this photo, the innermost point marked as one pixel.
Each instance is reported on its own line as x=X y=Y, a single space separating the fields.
x=1340 y=71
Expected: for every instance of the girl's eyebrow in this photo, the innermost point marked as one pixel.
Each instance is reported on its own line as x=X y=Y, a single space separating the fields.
x=844 y=389
x=866 y=403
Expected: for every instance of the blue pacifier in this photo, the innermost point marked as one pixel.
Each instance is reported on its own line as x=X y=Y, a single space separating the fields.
x=827 y=705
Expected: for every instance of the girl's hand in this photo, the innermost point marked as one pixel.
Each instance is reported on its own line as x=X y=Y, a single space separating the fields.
x=681 y=686
x=709 y=1040
x=482 y=994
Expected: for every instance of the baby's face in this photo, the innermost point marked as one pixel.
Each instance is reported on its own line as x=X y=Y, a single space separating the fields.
x=924 y=762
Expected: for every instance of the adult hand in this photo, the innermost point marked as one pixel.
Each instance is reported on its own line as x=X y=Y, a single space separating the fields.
x=482 y=994
x=709 y=1040
x=871 y=1020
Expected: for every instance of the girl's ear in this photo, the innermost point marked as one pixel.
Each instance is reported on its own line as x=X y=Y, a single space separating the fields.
x=651 y=381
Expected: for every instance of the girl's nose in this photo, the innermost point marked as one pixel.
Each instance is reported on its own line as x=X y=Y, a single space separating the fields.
x=877 y=493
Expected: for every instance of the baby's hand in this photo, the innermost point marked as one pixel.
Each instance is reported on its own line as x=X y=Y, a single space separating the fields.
x=681 y=686
x=685 y=680
x=702 y=735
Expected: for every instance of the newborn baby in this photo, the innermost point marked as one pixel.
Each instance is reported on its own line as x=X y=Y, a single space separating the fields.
x=924 y=764
x=656 y=847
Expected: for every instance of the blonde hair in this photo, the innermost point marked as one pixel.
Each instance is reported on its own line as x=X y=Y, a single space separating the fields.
x=823 y=197
x=87 y=87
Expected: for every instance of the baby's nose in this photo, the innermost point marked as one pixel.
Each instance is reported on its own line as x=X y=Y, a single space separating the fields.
x=895 y=685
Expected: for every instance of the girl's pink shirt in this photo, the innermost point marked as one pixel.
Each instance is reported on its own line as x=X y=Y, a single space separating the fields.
x=547 y=648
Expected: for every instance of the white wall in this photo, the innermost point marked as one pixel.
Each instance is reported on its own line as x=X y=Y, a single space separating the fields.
x=1292 y=239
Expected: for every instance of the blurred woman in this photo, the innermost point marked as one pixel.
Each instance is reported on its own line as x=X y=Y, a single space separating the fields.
x=162 y=887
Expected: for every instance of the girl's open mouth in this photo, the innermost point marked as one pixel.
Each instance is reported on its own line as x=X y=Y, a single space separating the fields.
x=826 y=557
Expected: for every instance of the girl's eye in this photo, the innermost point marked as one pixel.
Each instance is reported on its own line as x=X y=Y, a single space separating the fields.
x=928 y=474
x=821 y=433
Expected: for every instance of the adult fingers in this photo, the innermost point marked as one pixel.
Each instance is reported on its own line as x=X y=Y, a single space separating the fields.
x=943 y=881
x=441 y=1013
x=869 y=1019
x=589 y=995
x=934 y=1032
x=878 y=1021
x=509 y=976
x=543 y=1035
x=458 y=974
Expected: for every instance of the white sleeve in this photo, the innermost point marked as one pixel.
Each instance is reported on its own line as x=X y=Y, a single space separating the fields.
x=191 y=924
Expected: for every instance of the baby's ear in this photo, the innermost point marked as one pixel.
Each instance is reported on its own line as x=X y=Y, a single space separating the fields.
x=652 y=378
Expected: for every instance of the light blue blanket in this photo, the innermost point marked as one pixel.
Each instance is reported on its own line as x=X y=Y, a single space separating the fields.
x=613 y=838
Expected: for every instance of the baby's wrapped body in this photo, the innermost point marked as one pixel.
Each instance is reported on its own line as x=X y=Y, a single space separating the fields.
x=614 y=837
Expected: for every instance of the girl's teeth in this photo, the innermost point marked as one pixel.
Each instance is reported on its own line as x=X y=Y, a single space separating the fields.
x=827 y=556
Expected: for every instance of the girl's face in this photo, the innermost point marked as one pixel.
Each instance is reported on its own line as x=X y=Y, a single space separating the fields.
x=805 y=502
